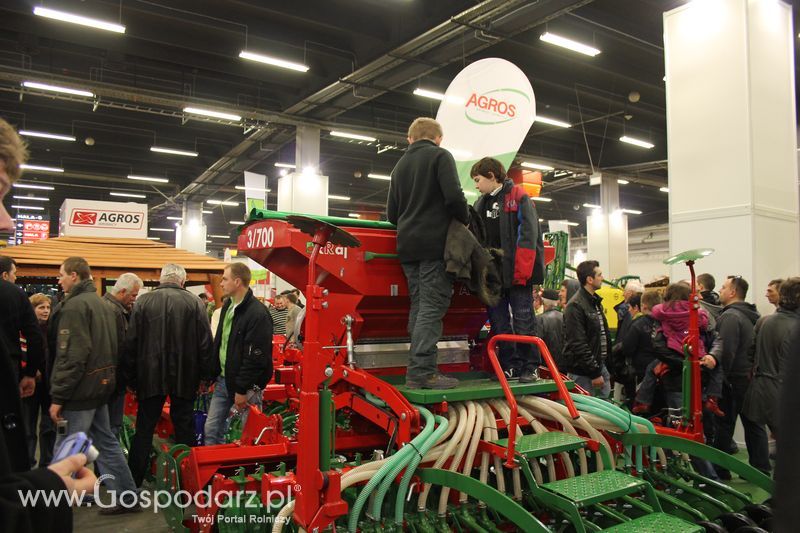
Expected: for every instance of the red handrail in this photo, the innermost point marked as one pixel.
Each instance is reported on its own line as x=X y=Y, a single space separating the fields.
x=512 y=402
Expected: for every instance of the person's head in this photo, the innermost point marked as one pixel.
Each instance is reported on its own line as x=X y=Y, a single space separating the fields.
x=289 y=298
x=589 y=275
x=172 y=273
x=296 y=292
x=790 y=294
x=41 y=306
x=126 y=289
x=425 y=128
x=677 y=292
x=734 y=289
x=203 y=297
x=13 y=153
x=8 y=268
x=773 y=291
x=634 y=286
x=279 y=302
x=550 y=298
x=73 y=270
x=635 y=303
x=488 y=174
x=706 y=282
x=235 y=280
x=649 y=300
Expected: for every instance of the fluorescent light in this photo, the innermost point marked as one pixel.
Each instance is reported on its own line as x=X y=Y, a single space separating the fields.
x=636 y=142
x=355 y=136
x=353 y=215
x=127 y=195
x=162 y=229
x=78 y=19
x=379 y=176
x=222 y=202
x=29 y=207
x=429 y=94
x=552 y=122
x=632 y=211
x=56 y=89
x=31 y=186
x=592 y=206
x=664 y=189
x=147 y=178
x=283 y=172
x=207 y=212
x=173 y=151
x=256 y=189
x=211 y=113
x=273 y=61
x=208 y=241
x=285 y=165
x=154 y=238
x=537 y=166
x=563 y=42
x=43 y=135
x=337 y=197
x=36 y=198
x=623 y=182
x=175 y=218
x=541 y=199
x=236 y=222
x=568 y=223
x=220 y=236
x=41 y=168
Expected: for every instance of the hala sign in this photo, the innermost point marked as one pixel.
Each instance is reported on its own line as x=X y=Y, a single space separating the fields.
x=103 y=219
x=487 y=110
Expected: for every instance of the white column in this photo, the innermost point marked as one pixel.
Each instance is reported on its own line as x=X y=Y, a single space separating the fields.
x=191 y=234
x=732 y=139
x=607 y=232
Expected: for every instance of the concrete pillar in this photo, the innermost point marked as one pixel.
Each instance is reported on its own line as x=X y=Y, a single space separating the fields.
x=607 y=232
x=306 y=154
x=191 y=233
x=732 y=139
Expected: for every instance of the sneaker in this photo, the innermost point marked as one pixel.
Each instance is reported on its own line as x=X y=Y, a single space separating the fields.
x=436 y=381
x=712 y=407
x=119 y=509
x=510 y=374
x=529 y=375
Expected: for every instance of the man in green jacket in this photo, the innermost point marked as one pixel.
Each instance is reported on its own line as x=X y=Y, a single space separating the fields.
x=84 y=376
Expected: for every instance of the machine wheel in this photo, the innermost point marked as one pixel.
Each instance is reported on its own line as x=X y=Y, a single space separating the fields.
x=750 y=529
x=734 y=521
x=767 y=524
x=758 y=512
x=712 y=527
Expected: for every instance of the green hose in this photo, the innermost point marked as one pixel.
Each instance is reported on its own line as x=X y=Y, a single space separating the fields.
x=625 y=414
x=416 y=446
x=400 y=502
x=612 y=417
x=401 y=457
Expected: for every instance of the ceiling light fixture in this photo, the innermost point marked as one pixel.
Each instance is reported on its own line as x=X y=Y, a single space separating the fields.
x=162 y=229
x=127 y=195
x=56 y=89
x=569 y=44
x=207 y=212
x=220 y=236
x=428 y=94
x=173 y=151
x=44 y=135
x=31 y=186
x=552 y=122
x=28 y=207
x=537 y=166
x=379 y=176
x=353 y=215
x=541 y=199
x=592 y=206
x=285 y=165
x=36 y=198
x=636 y=142
x=211 y=113
x=568 y=223
x=623 y=182
x=40 y=168
x=180 y=219
x=254 y=189
x=244 y=54
x=338 y=197
x=154 y=238
x=147 y=178
x=63 y=16
x=355 y=136
x=632 y=211
x=236 y=222
x=222 y=202
x=664 y=189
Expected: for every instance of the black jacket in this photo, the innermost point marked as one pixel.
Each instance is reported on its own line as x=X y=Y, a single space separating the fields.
x=248 y=361
x=550 y=328
x=637 y=343
x=520 y=235
x=424 y=195
x=17 y=316
x=14 y=466
x=736 y=329
x=472 y=264
x=122 y=316
x=582 y=349
x=168 y=345
x=84 y=371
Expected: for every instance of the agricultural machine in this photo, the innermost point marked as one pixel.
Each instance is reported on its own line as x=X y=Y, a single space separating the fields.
x=341 y=443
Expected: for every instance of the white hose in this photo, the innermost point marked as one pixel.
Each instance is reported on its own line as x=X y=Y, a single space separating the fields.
x=487 y=436
x=500 y=478
x=445 y=451
x=460 y=451
x=545 y=411
x=505 y=413
x=473 y=446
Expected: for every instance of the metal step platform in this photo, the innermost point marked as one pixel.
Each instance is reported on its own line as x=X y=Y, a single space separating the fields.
x=596 y=487
x=656 y=523
x=541 y=444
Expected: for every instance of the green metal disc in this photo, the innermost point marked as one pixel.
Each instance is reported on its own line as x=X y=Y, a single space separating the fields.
x=688 y=255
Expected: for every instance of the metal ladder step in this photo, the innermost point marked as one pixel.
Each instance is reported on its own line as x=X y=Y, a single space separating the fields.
x=541 y=444
x=596 y=487
x=656 y=523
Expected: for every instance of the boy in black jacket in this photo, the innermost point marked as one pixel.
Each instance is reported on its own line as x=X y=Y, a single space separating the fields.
x=513 y=227
x=424 y=195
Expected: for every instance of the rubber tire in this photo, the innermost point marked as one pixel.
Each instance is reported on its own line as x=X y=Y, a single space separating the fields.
x=758 y=512
x=734 y=521
x=712 y=527
x=750 y=529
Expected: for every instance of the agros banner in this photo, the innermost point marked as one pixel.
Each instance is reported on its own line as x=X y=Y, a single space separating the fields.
x=103 y=219
x=487 y=110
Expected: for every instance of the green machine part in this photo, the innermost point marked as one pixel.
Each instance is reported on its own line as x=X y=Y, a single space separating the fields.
x=555 y=271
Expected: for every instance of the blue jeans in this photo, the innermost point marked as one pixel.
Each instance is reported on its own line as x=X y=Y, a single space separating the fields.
x=585 y=382
x=94 y=422
x=514 y=314
x=219 y=420
x=116 y=411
